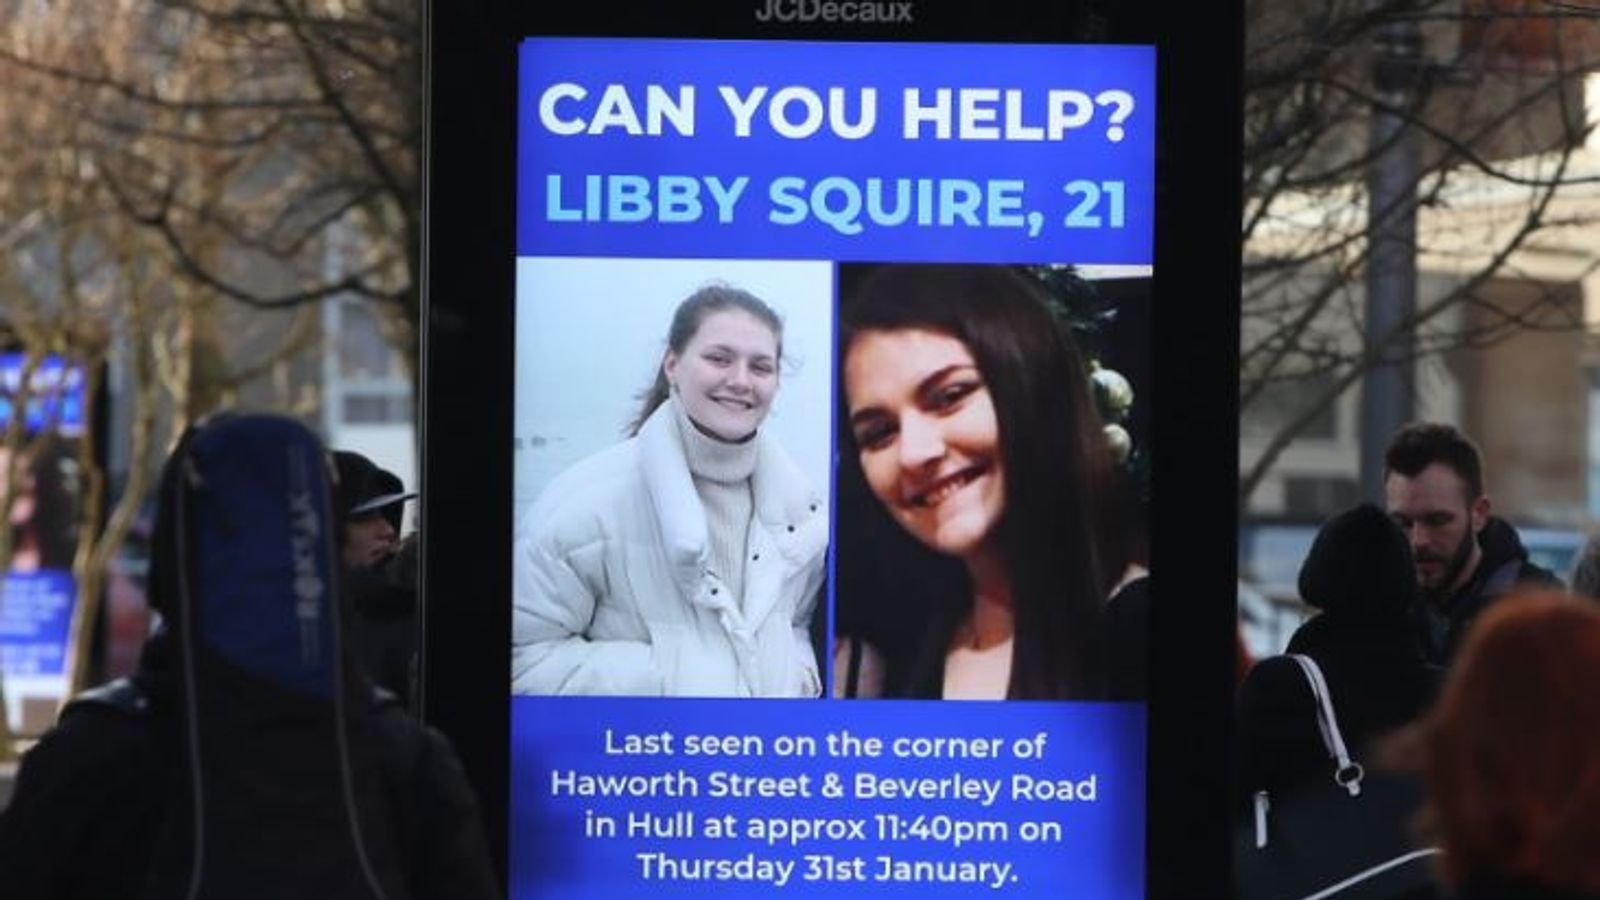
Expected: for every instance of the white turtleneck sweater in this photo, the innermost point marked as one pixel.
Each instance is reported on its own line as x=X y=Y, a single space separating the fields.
x=721 y=473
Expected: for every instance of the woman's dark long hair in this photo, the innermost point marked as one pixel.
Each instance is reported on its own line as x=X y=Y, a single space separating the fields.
x=1057 y=468
x=52 y=529
x=686 y=321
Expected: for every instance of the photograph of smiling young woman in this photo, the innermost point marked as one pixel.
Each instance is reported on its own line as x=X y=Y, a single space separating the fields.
x=41 y=516
x=687 y=560
x=976 y=557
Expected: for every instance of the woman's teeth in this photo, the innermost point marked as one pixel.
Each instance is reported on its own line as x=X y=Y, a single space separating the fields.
x=945 y=487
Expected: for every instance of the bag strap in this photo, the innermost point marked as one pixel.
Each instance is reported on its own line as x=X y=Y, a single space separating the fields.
x=1347 y=772
x=1261 y=805
x=124 y=695
x=1368 y=874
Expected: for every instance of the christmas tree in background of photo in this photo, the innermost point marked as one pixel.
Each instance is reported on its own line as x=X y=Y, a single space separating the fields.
x=1088 y=318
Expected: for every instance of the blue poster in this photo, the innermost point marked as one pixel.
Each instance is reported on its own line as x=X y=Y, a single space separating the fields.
x=840 y=151
x=693 y=798
x=56 y=392
x=35 y=615
x=810 y=589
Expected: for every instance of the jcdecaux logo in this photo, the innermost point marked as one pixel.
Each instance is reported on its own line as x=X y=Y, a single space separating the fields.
x=887 y=11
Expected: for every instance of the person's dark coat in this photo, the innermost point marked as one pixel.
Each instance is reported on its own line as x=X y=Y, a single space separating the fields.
x=1360 y=575
x=1504 y=565
x=98 y=799
x=107 y=804
x=383 y=598
x=90 y=803
x=1128 y=641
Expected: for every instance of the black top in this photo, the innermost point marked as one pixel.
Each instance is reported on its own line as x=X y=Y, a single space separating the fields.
x=1359 y=572
x=102 y=802
x=1504 y=566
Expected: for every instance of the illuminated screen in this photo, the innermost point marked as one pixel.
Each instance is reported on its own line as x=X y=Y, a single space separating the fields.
x=830 y=427
x=48 y=399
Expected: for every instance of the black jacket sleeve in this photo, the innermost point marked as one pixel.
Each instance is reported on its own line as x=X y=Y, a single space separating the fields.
x=85 y=811
x=442 y=832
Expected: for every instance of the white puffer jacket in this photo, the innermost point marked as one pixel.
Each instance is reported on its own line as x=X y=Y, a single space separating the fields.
x=614 y=594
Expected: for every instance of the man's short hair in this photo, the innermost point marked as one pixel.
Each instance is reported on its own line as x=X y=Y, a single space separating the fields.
x=1421 y=444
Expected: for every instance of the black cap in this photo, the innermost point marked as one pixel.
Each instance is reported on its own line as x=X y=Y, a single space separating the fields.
x=364 y=489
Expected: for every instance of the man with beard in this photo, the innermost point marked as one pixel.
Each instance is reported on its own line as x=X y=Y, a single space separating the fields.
x=1464 y=557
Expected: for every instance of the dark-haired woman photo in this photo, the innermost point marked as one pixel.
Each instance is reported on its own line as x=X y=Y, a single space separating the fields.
x=977 y=547
x=688 y=559
x=40 y=516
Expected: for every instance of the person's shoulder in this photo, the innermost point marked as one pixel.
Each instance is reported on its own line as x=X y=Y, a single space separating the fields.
x=776 y=463
x=1531 y=573
x=395 y=725
x=1505 y=551
x=1274 y=683
x=436 y=807
x=104 y=730
x=1275 y=719
x=117 y=708
x=784 y=493
x=775 y=456
x=416 y=754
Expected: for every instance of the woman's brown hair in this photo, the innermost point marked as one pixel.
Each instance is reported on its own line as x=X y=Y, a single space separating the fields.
x=1511 y=751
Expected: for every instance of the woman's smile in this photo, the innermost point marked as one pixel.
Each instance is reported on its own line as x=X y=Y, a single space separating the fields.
x=943 y=488
x=737 y=403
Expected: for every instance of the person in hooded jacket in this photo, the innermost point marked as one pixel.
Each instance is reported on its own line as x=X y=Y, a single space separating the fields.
x=1358 y=573
x=106 y=804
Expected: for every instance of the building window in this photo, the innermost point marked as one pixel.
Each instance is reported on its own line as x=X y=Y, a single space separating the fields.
x=365 y=379
x=1527 y=34
x=375 y=409
x=1317 y=497
x=1281 y=403
x=363 y=352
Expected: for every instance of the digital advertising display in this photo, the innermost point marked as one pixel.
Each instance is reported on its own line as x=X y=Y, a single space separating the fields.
x=40 y=492
x=831 y=434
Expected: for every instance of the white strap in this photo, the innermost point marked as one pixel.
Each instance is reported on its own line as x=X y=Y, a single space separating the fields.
x=1263 y=805
x=1348 y=773
x=1372 y=872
